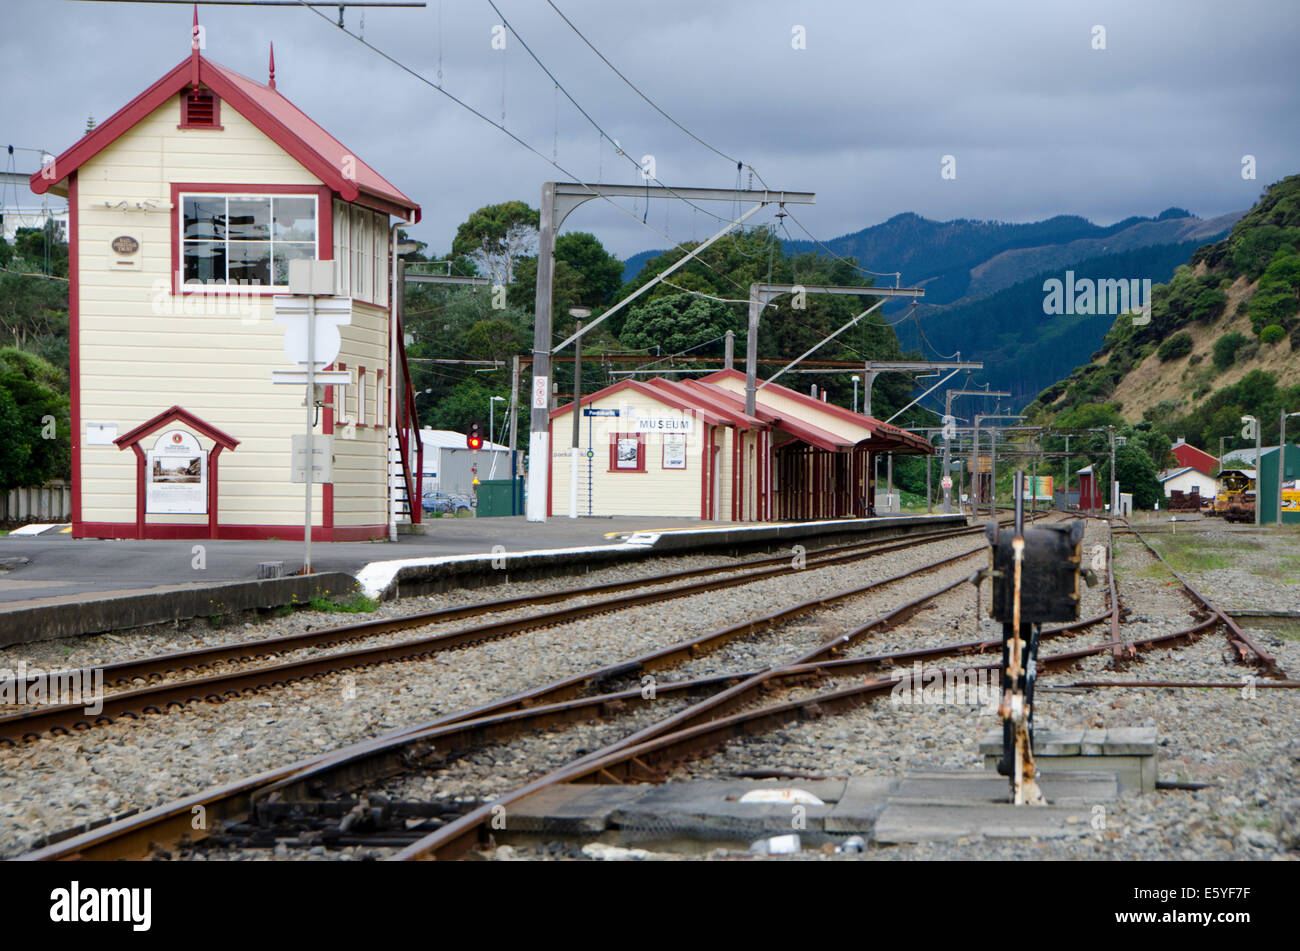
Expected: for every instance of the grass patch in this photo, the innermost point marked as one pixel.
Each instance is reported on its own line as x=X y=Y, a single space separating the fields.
x=1286 y=628
x=357 y=604
x=1196 y=554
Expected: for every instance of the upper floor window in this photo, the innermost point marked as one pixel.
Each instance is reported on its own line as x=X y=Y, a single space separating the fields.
x=245 y=239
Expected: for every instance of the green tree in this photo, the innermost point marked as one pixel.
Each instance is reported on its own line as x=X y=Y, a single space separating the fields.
x=600 y=274
x=34 y=420
x=496 y=236
x=1137 y=474
x=675 y=324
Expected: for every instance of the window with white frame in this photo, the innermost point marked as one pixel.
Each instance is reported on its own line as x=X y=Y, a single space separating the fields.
x=245 y=239
x=361 y=258
x=342 y=249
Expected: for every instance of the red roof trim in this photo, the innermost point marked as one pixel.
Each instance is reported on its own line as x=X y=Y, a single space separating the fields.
x=228 y=85
x=801 y=430
x=870 y=423
x=709 y=416
x=710 y=398
x=175 y=415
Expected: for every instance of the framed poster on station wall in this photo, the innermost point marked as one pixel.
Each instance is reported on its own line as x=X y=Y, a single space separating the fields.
x=176 y=475
x=674 y=451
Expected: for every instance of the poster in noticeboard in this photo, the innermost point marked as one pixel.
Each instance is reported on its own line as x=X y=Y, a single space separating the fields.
x=176 y=476
x=674 y=452
x=629 y=451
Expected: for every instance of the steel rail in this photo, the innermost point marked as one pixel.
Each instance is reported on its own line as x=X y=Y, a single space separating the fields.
x=155 y=667
x=161 y=697
x=134 y=836
x=1238 y=639
x=1224 y=684
x=620 y=760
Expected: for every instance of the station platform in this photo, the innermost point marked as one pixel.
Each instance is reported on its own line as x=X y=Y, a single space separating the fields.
x=52 y=585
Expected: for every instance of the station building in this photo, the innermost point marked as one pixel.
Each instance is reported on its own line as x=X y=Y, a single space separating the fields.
x=185 y=209
x=687 y=448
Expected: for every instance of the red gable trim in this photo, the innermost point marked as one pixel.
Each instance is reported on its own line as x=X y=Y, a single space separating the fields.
x=242 y=94
x=709 y=397
x=800 y=429
x=175 y=415
x=870 y=423
x=706 y=414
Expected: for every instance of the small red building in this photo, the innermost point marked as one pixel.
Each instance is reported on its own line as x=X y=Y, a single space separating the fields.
x=1090 y=497
x=1198 y=459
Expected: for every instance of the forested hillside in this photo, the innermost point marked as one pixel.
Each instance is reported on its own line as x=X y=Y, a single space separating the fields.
x=1223 y=340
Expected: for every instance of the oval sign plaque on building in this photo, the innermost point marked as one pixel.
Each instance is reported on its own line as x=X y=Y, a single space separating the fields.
x=125 y=244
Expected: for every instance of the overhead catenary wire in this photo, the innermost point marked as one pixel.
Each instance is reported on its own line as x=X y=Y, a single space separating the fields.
x=603 y=135
x=518 y=140
x=586 y=115
x=653 y=105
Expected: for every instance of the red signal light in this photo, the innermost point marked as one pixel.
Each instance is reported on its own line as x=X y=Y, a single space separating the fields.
x=474 y=441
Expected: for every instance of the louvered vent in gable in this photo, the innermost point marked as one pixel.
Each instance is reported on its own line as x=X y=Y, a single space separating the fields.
x=200 y=109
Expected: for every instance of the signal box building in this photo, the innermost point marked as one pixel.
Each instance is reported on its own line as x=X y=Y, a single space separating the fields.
x=185 y=209
x=687 y=448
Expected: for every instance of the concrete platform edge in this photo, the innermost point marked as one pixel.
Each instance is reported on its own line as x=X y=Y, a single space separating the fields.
x=98 y=614
x=392 y=579
x=95 y=614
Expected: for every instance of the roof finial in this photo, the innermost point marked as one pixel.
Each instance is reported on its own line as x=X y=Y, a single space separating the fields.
x=272 y=82
x=196 y=43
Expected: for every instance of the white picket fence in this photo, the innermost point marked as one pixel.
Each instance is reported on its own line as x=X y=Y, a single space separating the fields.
x=51 y=502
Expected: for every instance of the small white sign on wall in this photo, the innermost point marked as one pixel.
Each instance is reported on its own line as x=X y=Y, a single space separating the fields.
x=100 y=434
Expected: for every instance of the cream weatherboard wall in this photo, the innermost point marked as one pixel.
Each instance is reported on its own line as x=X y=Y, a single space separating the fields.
x=143 y=349
x=360 y=473
x=656 y=491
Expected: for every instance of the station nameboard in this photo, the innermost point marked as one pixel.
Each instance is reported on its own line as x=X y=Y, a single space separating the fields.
x=663 y=424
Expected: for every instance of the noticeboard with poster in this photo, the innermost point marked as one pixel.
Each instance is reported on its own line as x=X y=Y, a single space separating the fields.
x=674 y=452
x=176 y=475
x=629 y=453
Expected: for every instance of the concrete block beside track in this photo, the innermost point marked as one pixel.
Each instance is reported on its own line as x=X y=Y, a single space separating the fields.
x=1128 y=753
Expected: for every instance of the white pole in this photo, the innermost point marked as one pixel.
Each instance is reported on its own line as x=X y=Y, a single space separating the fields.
x=311 y=412
x=390 y=436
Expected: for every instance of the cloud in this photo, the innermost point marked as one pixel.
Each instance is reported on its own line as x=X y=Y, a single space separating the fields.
x=1040 y=123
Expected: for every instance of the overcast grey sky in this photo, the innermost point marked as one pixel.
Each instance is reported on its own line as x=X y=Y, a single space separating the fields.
x=1039 y=122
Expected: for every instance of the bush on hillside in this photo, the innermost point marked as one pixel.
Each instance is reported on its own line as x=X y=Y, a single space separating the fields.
x=1225 y=349
x=1179 y=345
x=1271 y=334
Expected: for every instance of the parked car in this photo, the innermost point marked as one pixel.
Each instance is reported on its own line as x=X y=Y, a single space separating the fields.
x=445 y=503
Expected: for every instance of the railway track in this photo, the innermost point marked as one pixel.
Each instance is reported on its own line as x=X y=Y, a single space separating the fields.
x=525 y=703
x=161 y=697
x=319 y=794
